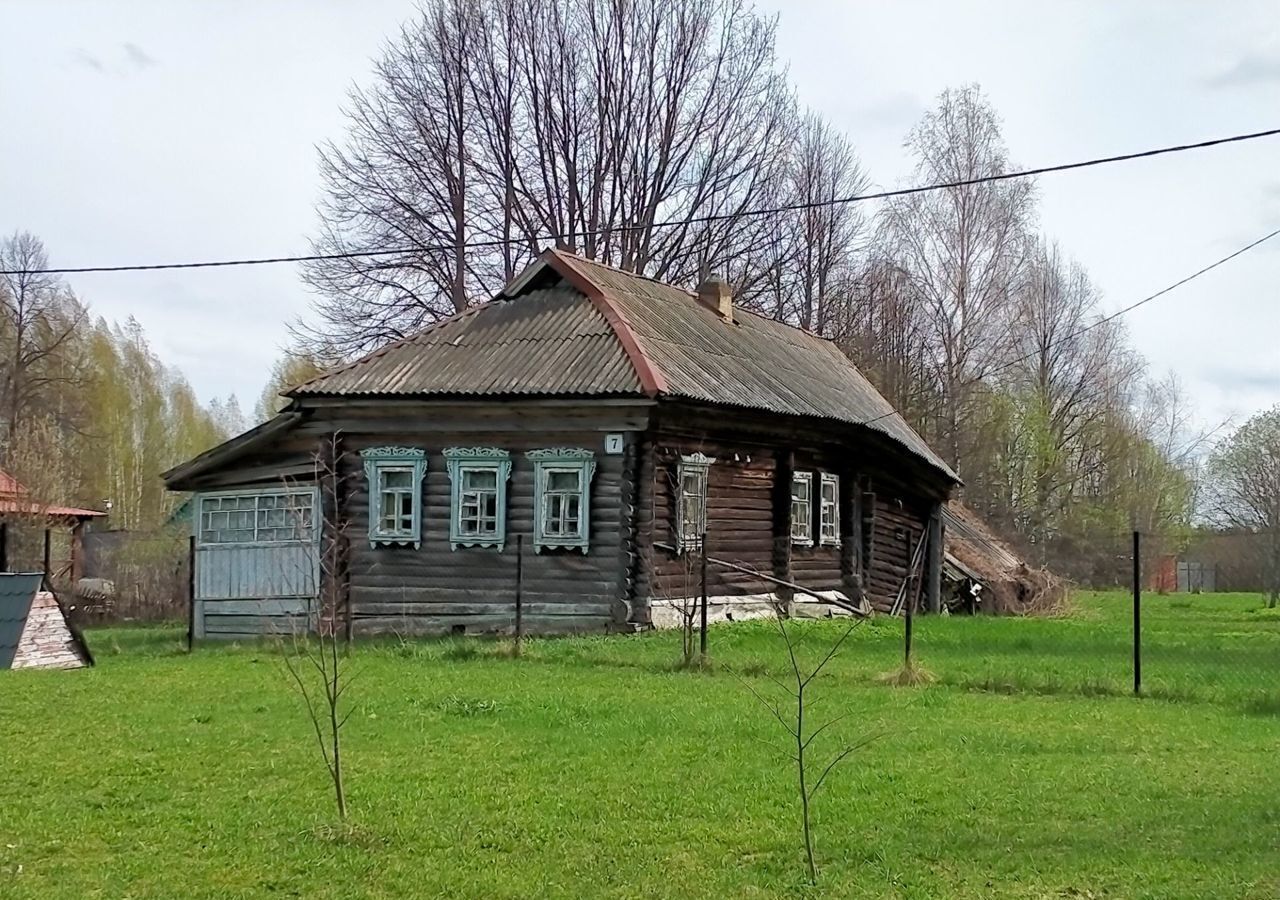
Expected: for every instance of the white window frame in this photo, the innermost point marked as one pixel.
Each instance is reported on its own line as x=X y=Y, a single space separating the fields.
x=802 y=526
x=379 y=461
x=554 y=461
x=461 y=460
x=829 y=511
x=697 y=465
x=311 y=519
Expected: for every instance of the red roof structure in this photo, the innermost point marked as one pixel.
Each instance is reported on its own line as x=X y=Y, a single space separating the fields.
x=15 y=500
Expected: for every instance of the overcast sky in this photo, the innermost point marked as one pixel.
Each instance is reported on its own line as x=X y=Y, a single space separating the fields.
x=143 y=132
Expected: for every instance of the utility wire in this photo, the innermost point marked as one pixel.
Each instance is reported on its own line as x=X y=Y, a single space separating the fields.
x=1112 y=317
x=695 y=220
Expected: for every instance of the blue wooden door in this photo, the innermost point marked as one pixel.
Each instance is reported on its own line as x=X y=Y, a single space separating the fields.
x=257 y=562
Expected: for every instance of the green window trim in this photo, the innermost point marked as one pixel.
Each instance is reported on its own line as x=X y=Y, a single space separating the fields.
x=693 y=478
x=386 y=469
x=478 y=497
x=562 y=512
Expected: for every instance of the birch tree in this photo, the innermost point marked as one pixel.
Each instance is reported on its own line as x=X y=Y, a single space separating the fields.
x=964 y=249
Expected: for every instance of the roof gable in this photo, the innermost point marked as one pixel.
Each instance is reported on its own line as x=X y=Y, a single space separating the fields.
x=552 y=342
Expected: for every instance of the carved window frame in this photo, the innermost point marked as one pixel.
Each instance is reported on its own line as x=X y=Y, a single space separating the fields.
x=460 y=461
x=829 y=511
x=379 y=461
x=562 y=460
x=695 y=467
x=802 y=509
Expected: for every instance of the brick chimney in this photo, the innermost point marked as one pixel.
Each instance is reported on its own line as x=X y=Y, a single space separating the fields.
x=715 y=295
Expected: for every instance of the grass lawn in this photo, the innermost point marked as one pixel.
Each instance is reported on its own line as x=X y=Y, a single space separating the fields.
x=592 y=768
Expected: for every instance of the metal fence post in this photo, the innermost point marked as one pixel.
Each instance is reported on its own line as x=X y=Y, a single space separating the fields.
x=910 y=610
x=1137 y=613
x=702 y=628
x=191 y=591
x=519 y=594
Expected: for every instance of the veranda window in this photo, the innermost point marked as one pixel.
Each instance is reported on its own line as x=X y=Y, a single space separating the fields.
x=257 y=518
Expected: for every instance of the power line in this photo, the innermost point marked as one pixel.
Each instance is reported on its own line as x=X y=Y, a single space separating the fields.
x=695 y=220
x=1113 y=316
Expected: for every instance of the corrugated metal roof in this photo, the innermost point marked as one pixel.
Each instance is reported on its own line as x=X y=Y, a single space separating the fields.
x=16 y=593
x=589 y=329
x=549 y=342
x=755 y=362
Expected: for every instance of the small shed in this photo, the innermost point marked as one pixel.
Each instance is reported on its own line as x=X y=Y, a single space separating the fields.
x=982 y=573
x=21 y=511
x=34 y=630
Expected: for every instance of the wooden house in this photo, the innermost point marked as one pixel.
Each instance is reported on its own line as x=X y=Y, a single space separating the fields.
x=601 y=421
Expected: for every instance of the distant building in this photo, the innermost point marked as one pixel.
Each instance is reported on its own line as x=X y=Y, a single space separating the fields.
x=23 y=520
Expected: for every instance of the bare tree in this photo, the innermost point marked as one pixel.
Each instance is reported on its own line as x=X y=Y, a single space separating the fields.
x=39 y=318
x=399 y=186
x=586 y=122
x=879 y=325
x=1244 y=487
x=795 y=717
x=963 y=248
x=1072 y=375
x=317 y=663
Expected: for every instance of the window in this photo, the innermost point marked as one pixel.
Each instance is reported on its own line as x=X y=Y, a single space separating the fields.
x=395 y=494
x=479 y=508
x=691 y=502
x=802 y=508
x=272 y=517
x=830 y=509
x=562 y=495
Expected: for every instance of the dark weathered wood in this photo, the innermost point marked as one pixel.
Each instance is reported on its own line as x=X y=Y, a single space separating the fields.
x=850 y=533
x=868 y=533
x=436 y=574
x=519 y=592
x=933 y=562
x=783 y=472
x=497 y=623
x=633 y=497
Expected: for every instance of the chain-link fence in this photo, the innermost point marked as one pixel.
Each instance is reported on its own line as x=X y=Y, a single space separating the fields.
x=133 y=576
x=1192 y=615
x=1202 y=626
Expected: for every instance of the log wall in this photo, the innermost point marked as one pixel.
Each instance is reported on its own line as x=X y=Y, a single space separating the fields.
x=883 y=508
x=434 y=589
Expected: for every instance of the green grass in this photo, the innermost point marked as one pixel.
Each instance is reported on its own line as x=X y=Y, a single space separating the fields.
x=593 y=767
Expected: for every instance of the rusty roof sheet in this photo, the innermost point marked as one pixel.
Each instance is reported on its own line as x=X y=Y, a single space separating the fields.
x=570 y=326
x=550 y=342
